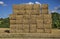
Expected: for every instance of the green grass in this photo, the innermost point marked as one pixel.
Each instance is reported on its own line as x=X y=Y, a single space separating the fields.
x=4 y=23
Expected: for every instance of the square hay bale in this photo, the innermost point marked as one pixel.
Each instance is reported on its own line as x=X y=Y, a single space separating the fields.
x=33 y=22
x=36 y=6
x=19 y=27
x=26 y=17
x=38 y=17
x=40 y=25
x=12 y=16
x=47 y=21
x=12 y=31
x=35 y=12
x=44 y=11
x=33 y=16
x=33 y=31
x=13 y=26
x=19 y=7
x=47 y=30
x=40 y=30
x=26 y=26
x=12 y=21
x=25 y=21
x=22 y=6
x=19 y=21
x=26 y=30
x=28 y=12
x=28 y=6
x=48 y=26
x=19 y=31
x=15 y=11
x=33 y=26
x=33 y=19
x=47 y=16
x=19 y=17
x=19 y=12
x=44 y=6
x=39 y=21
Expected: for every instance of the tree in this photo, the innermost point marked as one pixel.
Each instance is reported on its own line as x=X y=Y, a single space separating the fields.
x=55 y=20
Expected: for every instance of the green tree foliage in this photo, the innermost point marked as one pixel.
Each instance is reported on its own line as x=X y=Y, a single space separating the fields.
x=55 y=20
x=4 y=23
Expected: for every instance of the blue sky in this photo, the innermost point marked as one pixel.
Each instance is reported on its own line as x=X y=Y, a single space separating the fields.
x=6 y=5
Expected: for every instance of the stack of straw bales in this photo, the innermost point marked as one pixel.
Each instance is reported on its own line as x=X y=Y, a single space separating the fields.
x=31 y=18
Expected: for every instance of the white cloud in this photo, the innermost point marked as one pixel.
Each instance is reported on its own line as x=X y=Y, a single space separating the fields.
x=37 y=3
x=53 y=11
x=30 y=3
x=1 y=2
x=34 y=3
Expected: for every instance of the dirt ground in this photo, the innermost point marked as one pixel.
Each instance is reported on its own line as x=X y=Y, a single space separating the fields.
x=53 y=31
x=2 y=30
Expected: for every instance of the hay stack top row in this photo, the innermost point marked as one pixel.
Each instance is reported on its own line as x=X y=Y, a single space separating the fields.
x=30 y=6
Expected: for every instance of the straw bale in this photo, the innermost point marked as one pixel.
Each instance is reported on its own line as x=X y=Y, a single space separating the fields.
x=33 y=30
x=33 y=16
x=47 y=21
x=28 y=12
x=26 y=17
x=35 y=12
x=25 y=21
x=49 y=16
x=36 y=6
x=15 y=11
x=12 y=21
x=19 y=21
x=39 y=17
x=13 y=26
x=33 y=26
x=40 y=30
x=25 y=26
x=19 y=12
x=44 y=6
x=12 y=16
x=44 y=11
x=47 y=30
x=47 y=26
x=19 y=7
x=40 y=26
x=29 y=7
x=19 y=17
x=12 y=31
x=39 y=21
x=19 y=31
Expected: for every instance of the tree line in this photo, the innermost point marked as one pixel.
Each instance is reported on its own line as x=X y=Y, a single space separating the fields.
x=56 y=20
